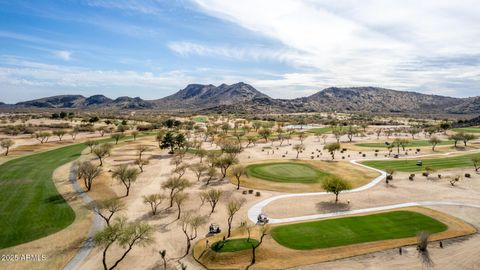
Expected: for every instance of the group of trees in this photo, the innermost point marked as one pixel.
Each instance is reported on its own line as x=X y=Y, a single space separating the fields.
x=462 y=137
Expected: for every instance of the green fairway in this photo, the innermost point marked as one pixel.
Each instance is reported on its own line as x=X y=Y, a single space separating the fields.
x=417 y=143
x=200 y=119
x=320 y=130
x=410 y=165
x=30 y=205
x=233 y=245
x=468 y=129
x=353 y=230
x=290 y=172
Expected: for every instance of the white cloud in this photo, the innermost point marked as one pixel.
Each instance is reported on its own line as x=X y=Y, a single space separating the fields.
x=186 y=48
x=64 y=55
x=56 y=79
x=405 y=44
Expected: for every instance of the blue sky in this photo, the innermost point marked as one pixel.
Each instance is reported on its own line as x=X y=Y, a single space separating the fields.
x=284 y=48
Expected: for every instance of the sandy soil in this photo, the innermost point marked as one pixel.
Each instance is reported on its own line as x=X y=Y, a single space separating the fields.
x=169 y=236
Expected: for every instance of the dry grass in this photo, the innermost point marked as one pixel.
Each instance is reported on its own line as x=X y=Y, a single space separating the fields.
x=272 y=255
x=356 y=175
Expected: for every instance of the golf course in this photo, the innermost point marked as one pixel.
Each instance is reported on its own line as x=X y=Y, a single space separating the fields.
x=30 y=206
x=416 y=143
x=353 y=230
x=287 y=172
x=410 y=165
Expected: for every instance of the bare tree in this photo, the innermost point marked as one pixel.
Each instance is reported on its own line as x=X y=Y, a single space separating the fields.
x=124 y=234
x=190 y=222
x=117 y=137
x=6 y=144
x=454 y=179
x=332 y=148
x=59 y=133
x=180 y=170
x=198 y=169
x=163 y=254
x=91 y=144
x=134 y=135
x=263 y=233
x=299 y=148
x=108 y=208
x=238 y=171
x=142 y=149
x=126 y=175
x=88 y=172
x=42 y=136
x=476 y=163
x=102 y=151
x=141 y=162
x=434 y=141
x=175 y=185
x=154 y=200
x=233 y=206
x=212 y=196
x=211 y=173
x=224 y=162
x=179 y=200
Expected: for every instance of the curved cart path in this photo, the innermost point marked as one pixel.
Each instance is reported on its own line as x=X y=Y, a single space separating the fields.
x=256 y=209
x=97 y=224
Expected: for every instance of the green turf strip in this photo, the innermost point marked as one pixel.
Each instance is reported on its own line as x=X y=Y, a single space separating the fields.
x=468 y=129
x=288 y=172
x=353 y=230
x=233 y=245
x=411 y=165
x=419 y=143
x=320 y=130
x=30 y=205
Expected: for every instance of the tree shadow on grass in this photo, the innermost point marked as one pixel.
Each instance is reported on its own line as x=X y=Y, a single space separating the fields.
x=59 y=199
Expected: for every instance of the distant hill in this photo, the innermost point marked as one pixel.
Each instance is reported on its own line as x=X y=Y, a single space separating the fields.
x=81 y=102
x=242 y=97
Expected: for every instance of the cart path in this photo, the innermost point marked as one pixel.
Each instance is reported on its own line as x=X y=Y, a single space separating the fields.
x=97 y=224
x=256 y=209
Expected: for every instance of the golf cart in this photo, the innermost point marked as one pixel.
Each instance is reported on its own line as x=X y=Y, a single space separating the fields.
x=214 y=228
x=262 y=219
x=419 y=163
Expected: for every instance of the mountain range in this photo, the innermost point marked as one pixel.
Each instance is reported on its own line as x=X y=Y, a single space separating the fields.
x=242 y=97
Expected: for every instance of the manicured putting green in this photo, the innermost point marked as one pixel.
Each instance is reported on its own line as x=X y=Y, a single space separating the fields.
x=417 y=143
x=468 y=129
x=353 y=230
x=411 y=165
x=289 y=172
x=233 y=245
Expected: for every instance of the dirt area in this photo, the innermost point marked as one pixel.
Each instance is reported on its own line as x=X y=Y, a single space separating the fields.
x=168 y=234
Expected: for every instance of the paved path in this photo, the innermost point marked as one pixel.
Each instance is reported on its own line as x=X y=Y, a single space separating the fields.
x=256 y=209
x=97 y=224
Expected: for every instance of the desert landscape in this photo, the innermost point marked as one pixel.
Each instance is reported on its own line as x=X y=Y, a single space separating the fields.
x=239 y=135
x=207 y=191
